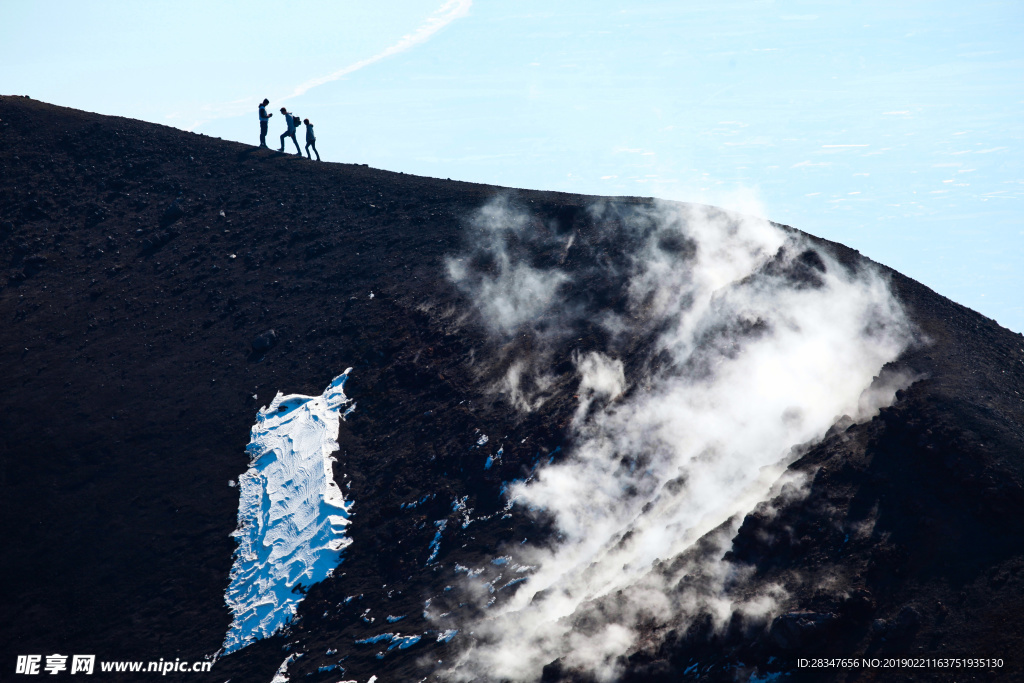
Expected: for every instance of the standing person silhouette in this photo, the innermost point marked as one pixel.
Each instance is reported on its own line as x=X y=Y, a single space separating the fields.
x=264 y=120
x=310 y=139
x=290 y=133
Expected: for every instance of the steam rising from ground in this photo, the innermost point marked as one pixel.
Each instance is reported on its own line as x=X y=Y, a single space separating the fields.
x=750 y=342
x=519 y=293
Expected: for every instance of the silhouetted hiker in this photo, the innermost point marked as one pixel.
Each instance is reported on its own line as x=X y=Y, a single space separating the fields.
x=290 y=133
x=310 y=139
x=264 y=119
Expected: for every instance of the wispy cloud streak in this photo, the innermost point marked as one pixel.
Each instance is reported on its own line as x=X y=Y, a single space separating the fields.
x=444 y=15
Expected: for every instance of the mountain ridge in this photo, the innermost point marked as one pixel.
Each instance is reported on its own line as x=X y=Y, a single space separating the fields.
x=142 y=262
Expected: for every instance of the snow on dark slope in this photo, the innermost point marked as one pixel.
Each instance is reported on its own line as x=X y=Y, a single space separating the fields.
x=291 y=513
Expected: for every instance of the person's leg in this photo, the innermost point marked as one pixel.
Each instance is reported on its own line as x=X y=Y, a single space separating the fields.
x=283 y=136
x=314 y=149
x=263 y=133
x=298 y=150
x=307 y=151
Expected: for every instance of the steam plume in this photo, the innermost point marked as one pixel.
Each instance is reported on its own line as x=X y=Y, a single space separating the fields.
x=727 y=343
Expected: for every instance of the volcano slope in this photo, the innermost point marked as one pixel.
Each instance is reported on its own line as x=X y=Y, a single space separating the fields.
x=580 y=392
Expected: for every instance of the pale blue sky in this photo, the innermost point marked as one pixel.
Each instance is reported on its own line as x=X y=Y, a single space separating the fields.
x=894 y=129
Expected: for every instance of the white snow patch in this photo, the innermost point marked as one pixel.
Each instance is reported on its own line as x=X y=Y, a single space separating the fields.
x=291 y=514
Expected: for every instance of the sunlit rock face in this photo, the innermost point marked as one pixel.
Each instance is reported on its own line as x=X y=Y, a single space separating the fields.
x=291 y=514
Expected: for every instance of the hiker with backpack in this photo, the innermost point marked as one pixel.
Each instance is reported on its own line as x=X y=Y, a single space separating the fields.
x=264 y=120
x=290 y=119
x=310 y=139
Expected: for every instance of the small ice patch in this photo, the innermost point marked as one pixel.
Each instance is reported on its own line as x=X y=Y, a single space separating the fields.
x=395 y=640
x=482 y=440
x=392 y=619
x=435 y=545
x=446 y=636
x=767 y=678
x=514 y=582
x=281 y=676
x=404 y=642
x=491 y=459
x=291 y=514
x=417 y=503
x=459 y=505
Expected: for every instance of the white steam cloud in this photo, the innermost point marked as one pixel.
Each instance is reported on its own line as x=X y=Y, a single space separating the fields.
x=510 y=293
x=760 y=343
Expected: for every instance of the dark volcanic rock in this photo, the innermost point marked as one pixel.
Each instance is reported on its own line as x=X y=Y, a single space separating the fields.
x=264 y=342
x=172 y=213
x=129 y=377
x=906 y=623
x=859 y=605
x=800 y=630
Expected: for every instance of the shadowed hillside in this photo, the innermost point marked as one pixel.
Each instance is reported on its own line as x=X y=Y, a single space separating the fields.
x=142 y=270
